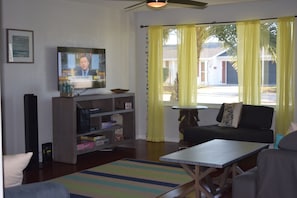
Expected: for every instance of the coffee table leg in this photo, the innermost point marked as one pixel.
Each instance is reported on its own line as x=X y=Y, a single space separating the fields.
x=236 y=170
x=198 y=174
x=197 y=181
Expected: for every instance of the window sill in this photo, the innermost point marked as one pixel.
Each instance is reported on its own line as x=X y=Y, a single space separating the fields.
x=209 y=105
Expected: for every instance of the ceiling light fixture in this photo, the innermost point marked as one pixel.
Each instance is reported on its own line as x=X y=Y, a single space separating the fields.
x=156 y=3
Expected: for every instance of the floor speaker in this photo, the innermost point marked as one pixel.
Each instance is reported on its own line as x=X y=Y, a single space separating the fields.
x=31 y=128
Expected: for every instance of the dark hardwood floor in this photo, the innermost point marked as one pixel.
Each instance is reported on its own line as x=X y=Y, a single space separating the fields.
x=139 y=150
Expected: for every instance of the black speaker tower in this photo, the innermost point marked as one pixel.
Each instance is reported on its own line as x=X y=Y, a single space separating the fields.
x=31 y=128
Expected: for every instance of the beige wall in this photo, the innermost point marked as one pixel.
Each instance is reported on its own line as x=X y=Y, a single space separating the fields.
x=1 y=161
x=59 y=23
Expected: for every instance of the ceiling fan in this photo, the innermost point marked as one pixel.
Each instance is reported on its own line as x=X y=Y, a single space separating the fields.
x=162 y=3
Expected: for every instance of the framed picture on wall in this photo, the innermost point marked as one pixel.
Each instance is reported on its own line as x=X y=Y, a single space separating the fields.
x=20 y=46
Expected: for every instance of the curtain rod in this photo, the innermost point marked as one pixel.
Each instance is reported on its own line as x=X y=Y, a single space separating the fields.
x=211 y=23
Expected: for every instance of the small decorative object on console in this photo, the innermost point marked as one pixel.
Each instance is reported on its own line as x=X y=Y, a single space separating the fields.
x=67 y=89
x=117 y=119
x=118 y=135
x=119 y=90
x=128 y=105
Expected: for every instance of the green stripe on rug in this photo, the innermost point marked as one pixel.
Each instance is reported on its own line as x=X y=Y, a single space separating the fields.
x=125 y=178
x=162 y=168
x=149 y=171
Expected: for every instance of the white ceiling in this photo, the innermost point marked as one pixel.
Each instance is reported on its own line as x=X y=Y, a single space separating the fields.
x=125 y=3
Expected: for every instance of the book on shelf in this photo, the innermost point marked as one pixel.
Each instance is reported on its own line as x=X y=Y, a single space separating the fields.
x=85 y=145
x=101 y=142
x=105 y=125
x=93 y=137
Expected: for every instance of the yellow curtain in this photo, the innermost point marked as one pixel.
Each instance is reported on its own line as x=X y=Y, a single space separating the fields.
x=285 y=74
x=155 y=126
x=187 y=64
x=248 y=60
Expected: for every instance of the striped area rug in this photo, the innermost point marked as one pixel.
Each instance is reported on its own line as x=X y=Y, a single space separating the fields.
x=125 y=178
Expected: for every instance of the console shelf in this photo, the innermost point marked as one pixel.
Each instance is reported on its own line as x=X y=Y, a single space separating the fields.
x=110 y=117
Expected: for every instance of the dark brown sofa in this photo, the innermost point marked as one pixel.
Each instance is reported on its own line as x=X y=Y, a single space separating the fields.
x=254 y=126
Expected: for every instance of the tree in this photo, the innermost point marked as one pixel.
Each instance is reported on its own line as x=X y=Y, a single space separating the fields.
x=227 y=34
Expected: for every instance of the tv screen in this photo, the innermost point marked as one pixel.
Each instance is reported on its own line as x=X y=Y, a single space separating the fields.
x=83 y=68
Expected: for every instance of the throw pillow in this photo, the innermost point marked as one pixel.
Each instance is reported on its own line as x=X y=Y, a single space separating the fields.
x=278 y=138
x=13 y=166
x=288 y=142
x=236 y=114
x=293 y=127
x=231 y=115
x=227 y=116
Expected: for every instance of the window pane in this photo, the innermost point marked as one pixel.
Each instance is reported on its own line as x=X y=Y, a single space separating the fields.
x=217 y=79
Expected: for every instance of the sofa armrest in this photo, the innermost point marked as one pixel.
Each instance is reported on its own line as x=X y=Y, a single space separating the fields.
x=277 y=176
x=245 y=185
x=37 y=190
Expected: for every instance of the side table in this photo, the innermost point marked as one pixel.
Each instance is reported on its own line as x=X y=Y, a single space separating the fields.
x=188 y=116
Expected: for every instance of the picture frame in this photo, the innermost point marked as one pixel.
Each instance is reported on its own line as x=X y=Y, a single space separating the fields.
x=20 y=46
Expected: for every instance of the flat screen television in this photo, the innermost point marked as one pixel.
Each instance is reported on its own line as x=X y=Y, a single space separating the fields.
x=83 y=68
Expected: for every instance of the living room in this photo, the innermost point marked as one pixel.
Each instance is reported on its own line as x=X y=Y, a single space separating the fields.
x=92 y=24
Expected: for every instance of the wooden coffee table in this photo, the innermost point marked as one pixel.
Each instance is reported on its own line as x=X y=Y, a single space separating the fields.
x=201 y=160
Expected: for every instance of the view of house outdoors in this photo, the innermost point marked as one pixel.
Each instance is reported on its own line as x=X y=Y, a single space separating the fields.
x=217 y=80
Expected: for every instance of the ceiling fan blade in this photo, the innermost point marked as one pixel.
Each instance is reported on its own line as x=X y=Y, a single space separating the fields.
x=135 y=5
x=189 y=2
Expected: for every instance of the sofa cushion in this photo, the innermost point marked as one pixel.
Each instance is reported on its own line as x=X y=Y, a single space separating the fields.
x=13 y=168
x=259 y=117
x=252 y=116
x=197 y=135
x=220 y=114
x=289 y=142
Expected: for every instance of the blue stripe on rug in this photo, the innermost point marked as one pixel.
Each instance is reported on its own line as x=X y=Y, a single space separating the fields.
x=147 y=181
x=153 y=162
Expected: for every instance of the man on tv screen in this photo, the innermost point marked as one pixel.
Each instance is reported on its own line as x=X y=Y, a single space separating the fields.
x=84 y=69
x=81 y=67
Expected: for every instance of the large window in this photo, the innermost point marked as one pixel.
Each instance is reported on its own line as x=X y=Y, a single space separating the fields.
x=217 y=79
